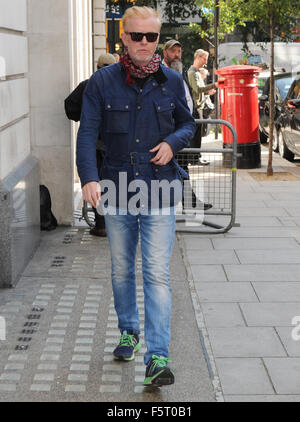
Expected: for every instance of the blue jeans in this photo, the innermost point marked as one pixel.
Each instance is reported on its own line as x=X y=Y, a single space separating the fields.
x=157 y=239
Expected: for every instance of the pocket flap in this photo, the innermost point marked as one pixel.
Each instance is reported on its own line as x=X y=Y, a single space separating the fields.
x=166 y=104
x=117 y=105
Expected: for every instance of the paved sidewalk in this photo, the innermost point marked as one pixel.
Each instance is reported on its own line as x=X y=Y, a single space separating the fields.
x=247 y=289
x=62 y=329
x=235 y=296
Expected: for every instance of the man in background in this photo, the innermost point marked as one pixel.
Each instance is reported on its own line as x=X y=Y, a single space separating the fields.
x=172 y=53
x=73 y=105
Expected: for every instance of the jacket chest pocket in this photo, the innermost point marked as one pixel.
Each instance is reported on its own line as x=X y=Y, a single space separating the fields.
x=117 y=116
x=164 y=111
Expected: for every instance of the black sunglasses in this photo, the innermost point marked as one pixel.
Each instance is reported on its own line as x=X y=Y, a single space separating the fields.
x=138 y=36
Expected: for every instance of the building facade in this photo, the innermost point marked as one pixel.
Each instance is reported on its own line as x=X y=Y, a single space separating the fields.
x=46 y=48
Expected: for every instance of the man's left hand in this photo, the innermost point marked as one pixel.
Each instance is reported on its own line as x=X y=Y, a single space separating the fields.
x=164 y=154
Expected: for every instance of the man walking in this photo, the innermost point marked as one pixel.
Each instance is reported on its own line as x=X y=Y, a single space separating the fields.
x=73 y=106
x=140 y=109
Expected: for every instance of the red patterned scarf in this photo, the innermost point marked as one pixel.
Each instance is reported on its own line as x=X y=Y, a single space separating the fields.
x=138 y=71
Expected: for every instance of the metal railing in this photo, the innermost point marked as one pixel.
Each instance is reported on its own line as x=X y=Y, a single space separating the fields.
x=209 y=185
x=211 y=188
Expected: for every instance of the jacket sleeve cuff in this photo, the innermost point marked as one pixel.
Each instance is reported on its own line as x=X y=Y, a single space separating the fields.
x=175 y=143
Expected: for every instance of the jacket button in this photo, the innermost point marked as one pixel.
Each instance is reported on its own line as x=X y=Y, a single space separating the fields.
x=172 y=104
x=158 y=108
x=137 y=141
x=109 y=106
x=126 y=106
x=139 y=107
x=137 y=174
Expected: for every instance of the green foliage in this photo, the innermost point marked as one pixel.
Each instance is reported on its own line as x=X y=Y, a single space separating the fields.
x=235 y=13
x=231 y=14
x=190 y=42
x=283 y=13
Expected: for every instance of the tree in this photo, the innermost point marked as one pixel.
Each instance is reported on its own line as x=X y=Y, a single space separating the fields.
x=279 y=18
x=276 y=17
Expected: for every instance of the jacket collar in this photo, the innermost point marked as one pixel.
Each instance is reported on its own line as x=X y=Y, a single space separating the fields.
x=159 y=76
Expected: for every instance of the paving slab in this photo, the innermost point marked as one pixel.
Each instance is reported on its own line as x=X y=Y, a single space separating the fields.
x=270 y=314
x=254 y=196
x=284 y=374
x=243 y=211
x=243 y=376
x=293 y=211
x=277 y=291
x=197 y=243
x=225 y=292
x=245 y=342
x=290 y=342
x=275 y=272
x=212 y=257
x=257 y=221
x=251 y=205
x=255 y=244
x=222 y=315
x=208 y=273
x=276 y=398
x=284 y=195
x=244 y=232
x=293 y=203
x=269 y=256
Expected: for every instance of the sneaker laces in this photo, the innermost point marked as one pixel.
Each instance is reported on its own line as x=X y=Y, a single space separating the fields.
x=160 y=361
x=126 y=340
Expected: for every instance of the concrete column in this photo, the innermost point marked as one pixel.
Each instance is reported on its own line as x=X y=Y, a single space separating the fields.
x=49 y=77
x=99 y=29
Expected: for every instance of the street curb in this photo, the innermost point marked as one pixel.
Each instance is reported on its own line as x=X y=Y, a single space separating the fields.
x=203 y=334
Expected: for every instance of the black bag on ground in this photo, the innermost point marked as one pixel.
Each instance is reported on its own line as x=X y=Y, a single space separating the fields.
x=208 y=109
x=48 y=221
x=73 y=102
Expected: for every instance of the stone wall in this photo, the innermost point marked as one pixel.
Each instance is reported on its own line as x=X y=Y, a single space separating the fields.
x=19 y=171
x=99 y=29
x=49 y=77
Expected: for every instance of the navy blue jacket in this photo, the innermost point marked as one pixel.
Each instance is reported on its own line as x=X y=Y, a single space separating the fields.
x=131 y=121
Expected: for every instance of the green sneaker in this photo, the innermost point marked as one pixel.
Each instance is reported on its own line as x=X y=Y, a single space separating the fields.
x=128 y=346
x=158 y=373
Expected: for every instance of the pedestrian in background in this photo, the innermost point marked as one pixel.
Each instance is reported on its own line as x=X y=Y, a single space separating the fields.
x=208 y=107
x=172 y=53
x=140 y=109
x=73 y=107
x=199 y=88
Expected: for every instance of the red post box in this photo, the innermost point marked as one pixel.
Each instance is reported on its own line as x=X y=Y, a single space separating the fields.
x=239 y=106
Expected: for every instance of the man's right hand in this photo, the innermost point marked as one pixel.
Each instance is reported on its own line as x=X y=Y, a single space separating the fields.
x=91 y=193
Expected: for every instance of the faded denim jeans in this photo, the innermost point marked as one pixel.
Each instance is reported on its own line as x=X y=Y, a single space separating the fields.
x=157 y=234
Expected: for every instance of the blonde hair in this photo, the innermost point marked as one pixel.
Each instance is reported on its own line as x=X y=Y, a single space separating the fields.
x=143 y=12
x=200 y=53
